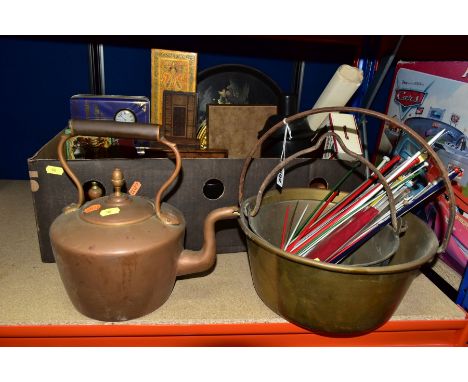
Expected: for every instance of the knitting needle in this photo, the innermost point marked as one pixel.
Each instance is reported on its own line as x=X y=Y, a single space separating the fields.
x=329 y=195
x=385 y=166
x=344 y=215
x=405 y=206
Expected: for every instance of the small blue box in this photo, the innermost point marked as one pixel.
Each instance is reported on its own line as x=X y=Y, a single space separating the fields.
x=110 y=107
x=126 y=109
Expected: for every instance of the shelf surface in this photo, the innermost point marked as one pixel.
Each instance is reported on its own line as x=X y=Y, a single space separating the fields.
x=31 y=292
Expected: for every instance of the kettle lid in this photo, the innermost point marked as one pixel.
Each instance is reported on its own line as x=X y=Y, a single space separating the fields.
x=118 y=208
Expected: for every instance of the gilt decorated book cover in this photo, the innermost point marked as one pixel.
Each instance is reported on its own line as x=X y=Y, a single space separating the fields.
x=170 y=70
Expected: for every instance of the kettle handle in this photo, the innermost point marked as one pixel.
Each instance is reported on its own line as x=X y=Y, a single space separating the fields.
x=383 y=118
x=109 y=129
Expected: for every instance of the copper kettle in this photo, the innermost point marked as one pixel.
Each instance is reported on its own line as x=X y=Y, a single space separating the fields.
x=119 y=255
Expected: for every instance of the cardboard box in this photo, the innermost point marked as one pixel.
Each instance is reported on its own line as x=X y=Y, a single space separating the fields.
x=52 y=192
x=428 y=96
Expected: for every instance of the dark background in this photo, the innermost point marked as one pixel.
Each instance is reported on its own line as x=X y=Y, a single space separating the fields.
x=39 y=74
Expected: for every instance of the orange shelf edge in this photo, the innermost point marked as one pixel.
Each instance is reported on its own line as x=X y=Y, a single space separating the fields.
x=393 y=333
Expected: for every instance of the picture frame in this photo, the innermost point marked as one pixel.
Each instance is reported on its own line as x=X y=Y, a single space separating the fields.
x=235 y=128
x=180 y=117
x=170 y=70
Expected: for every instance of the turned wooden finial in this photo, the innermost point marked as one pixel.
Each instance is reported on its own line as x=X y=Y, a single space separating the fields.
x=118 y=181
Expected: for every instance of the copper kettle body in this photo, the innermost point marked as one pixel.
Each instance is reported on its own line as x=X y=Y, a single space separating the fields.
x=119 y=255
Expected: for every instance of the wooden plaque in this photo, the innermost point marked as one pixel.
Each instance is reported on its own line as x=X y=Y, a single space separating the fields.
x=180 y=117
x=235 y=127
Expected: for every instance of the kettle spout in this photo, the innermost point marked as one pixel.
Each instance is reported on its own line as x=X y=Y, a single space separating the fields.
x=199 y=261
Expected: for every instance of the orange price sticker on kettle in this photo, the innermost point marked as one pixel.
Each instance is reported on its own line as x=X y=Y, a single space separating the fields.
x=134 y=188
x=110 y=211
x=91 y=208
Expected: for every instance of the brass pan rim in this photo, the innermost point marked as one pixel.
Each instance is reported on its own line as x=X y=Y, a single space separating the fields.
x=351 y=269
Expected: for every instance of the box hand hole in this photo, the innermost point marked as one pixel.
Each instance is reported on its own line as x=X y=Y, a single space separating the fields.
x=213 y=189
x=320 y=183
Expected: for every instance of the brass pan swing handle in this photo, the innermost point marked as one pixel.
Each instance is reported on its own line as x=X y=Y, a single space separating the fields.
x=118 y=130
x=382 y=117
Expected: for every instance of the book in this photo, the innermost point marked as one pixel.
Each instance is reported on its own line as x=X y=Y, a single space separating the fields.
x=170 y=70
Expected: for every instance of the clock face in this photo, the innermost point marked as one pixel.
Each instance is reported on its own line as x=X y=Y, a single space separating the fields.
x=125 y=115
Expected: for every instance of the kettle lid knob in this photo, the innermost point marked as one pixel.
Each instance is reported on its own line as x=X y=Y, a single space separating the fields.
x=118 y=181
x=118 y=208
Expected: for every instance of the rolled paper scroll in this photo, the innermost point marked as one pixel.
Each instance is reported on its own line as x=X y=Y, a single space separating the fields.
x=338 y=92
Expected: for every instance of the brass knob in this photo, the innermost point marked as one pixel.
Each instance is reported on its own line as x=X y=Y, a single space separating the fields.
x=118 y=181
x=95 y=191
